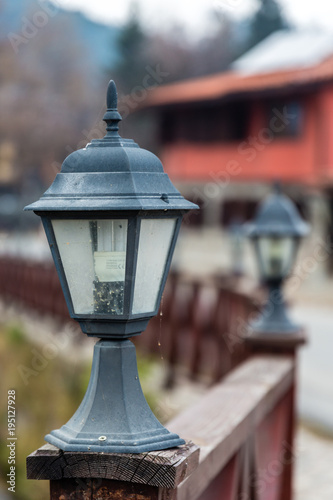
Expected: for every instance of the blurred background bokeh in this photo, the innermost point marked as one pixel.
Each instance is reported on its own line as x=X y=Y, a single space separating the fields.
x=232 y=95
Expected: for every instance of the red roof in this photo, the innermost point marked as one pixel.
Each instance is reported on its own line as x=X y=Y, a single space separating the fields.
x=231 y=83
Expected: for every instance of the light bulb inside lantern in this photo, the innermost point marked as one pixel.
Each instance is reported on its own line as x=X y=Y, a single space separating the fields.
x=109 y=240
x=276 y=255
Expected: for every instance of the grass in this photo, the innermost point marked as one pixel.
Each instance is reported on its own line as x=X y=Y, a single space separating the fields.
x=48 y=392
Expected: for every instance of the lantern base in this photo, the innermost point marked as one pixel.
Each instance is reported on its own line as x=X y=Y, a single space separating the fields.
x=274 y=318
x=114 y=415
x=112 y=329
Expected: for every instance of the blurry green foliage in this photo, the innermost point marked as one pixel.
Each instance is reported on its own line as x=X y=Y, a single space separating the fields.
x=45 y=399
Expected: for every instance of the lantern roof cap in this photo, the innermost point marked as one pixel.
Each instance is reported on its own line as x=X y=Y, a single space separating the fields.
x=277 y=215
x=111 y=174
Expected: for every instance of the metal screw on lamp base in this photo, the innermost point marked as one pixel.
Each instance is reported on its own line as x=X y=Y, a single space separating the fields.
x=114 y=415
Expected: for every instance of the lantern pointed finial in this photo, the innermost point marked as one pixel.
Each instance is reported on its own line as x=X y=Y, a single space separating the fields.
x=112 y=117
x=111 y=96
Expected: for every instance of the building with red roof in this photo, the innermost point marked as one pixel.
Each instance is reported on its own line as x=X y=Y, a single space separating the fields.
x=226 y=137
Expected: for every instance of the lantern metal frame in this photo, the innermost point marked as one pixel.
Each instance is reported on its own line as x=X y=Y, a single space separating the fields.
x=128 y=323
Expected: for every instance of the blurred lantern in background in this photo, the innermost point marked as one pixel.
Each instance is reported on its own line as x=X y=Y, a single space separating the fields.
x=276 y=232
x=112 y=217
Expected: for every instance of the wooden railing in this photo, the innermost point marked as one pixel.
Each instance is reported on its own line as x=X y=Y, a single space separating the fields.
x=34 y=285
x=243 y=426
x=200 y=324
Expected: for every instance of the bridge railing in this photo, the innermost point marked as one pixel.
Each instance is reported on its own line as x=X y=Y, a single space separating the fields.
x=200 y=324
x=239 y=435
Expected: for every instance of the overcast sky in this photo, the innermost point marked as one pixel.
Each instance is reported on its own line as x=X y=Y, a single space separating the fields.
x=193 y=14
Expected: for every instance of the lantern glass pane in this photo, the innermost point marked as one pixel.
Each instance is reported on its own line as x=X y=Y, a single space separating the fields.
x=156 y=236
x=276 y=255
x=93 y=255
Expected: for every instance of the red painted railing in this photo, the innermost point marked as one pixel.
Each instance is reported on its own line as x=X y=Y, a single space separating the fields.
x=243 y=424
x=199 y=326
x=34 y=285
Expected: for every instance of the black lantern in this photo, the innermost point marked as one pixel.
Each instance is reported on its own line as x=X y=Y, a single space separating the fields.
x=112 y=217
x=276 y=233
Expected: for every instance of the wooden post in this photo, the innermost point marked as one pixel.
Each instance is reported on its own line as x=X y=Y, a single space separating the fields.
x=276 y=343
x=102 y=476
x=283 y=344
